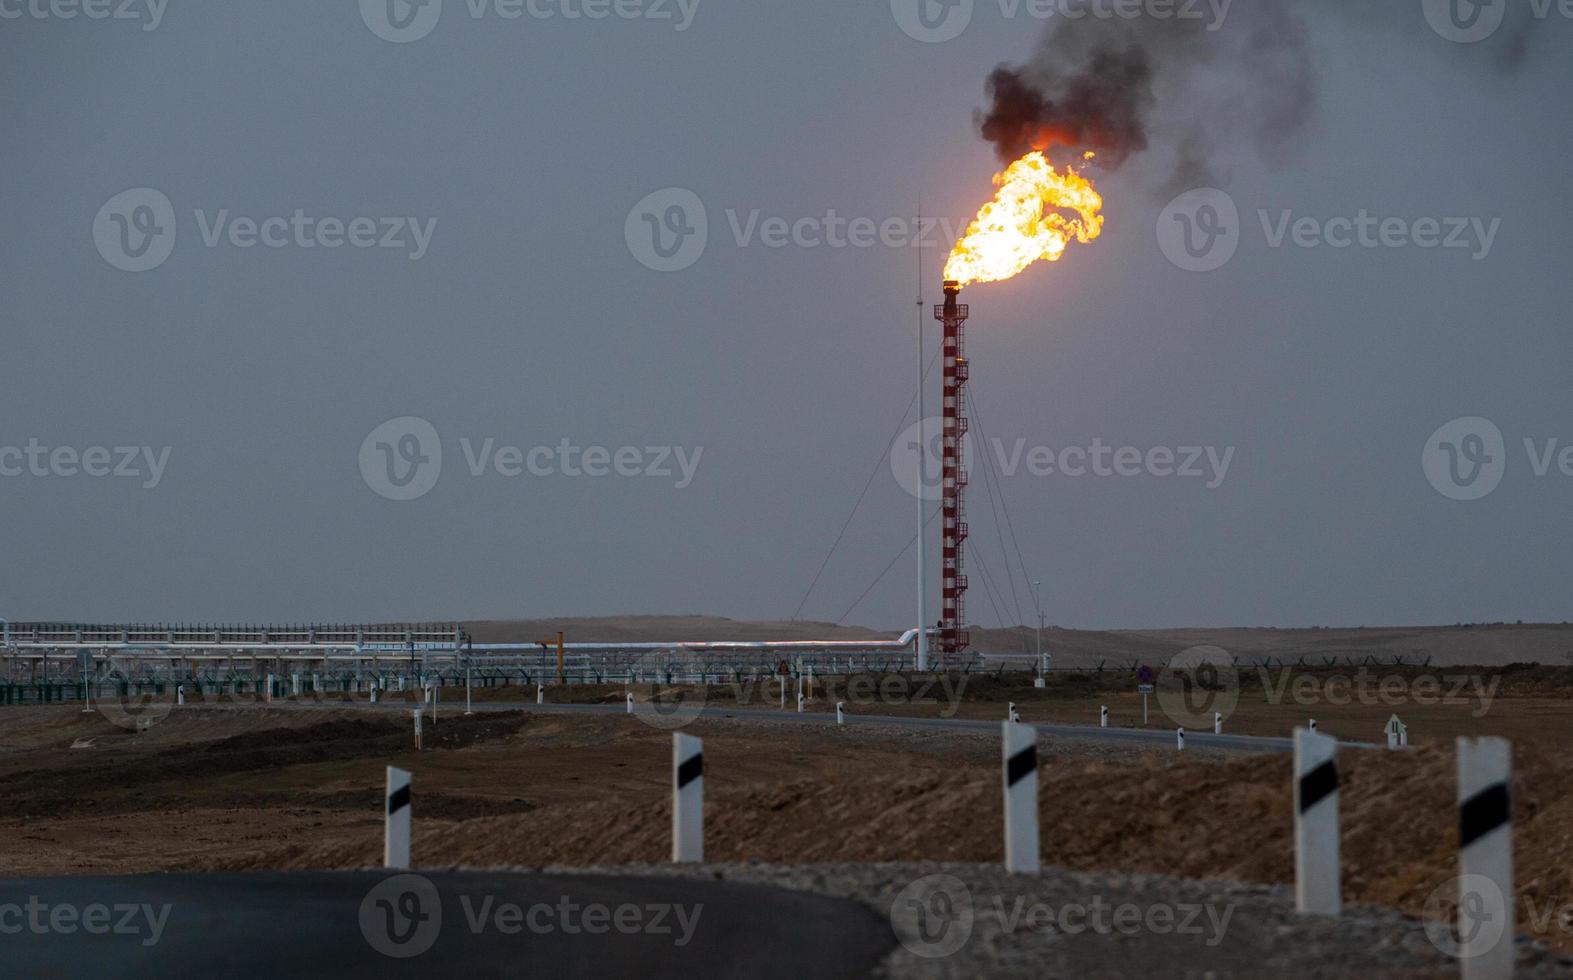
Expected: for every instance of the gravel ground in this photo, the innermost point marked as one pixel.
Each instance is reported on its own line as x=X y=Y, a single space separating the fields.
x=968 y=920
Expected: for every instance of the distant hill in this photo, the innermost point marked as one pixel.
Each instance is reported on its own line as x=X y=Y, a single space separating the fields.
x=1494 y=644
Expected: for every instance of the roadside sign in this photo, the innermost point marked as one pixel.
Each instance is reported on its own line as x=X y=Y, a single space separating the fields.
x=1144 y=688
x=1144 y=675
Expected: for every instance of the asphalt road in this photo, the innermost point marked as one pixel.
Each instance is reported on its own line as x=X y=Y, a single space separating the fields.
x=1149 y=738
x=675 y=717
x=386 y=924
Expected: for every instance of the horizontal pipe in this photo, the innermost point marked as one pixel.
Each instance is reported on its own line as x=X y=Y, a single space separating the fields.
x=905 y=641
x=310 y=651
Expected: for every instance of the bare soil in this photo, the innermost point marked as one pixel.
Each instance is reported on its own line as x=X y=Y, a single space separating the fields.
x=250 y=787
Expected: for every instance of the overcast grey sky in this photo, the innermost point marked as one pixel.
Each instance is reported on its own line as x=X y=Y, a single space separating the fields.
x=511 y=307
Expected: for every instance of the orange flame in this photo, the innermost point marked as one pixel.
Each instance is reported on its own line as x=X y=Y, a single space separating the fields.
x=1025 y=221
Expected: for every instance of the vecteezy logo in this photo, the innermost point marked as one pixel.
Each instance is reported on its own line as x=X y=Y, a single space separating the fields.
x=1196 y=683
x=402 y=458
x=401 y=916
x=135 y=229
x=1465 y=21
x=932 y=21
x=668 y=230
x=130 y=703
x=917 y=458
x=675 y=708
x=400 y=21
x=932 y=917
x=1465 y=459
x=1200 y=230
x=1458 y=915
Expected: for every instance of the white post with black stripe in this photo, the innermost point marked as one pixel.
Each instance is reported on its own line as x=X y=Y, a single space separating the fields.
x=841 y=712
x=1179 y=739
x=540 y=694
x=396 y=821
x=1217 y=723
x=630 y=696
x=1397 y=733
x=1316 y=868
x=1485 y=855
x=1103 y=717
x=688 y=798
x=1021 y=798
x=1012 y=714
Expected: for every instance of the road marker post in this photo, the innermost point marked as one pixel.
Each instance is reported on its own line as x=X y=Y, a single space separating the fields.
x=800 y=702
x=396 y=821
x=180 y=694
x=1217 y=723
x=1103 y=717
x=841 y=715
x=1012 y=714
x=1485 y=856
x=688 y=798
x=1316 y=845
x=1313 y=724
x=630 y=700
x=1179 y=739
x=374 y=694
x=1021 y=798
x=540 y=694
x=1397 y=733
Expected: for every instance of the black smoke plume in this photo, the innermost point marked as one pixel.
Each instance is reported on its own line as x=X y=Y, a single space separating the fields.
x=1186 y=88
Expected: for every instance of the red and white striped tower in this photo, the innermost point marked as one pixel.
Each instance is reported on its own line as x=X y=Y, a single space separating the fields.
x=953 y=515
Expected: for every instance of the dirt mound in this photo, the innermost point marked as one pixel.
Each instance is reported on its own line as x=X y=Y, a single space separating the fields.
x=113 y=784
